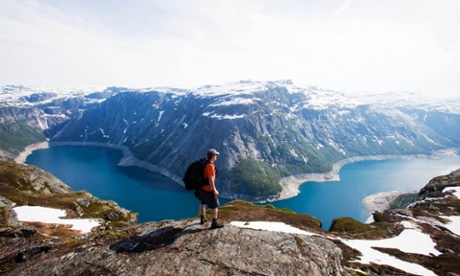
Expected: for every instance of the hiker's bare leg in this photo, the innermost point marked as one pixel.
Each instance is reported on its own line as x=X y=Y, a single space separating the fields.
x=214 y=213
x=202 y=209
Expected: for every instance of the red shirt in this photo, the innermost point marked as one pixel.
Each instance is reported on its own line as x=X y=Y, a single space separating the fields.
x=209 y=171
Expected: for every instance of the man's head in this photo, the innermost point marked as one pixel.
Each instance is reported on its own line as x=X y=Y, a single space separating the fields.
x=212 y=153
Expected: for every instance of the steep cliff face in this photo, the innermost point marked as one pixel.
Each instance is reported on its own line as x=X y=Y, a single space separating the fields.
x=268 y=130
x=19 y=127
x=264 y=130
x=29 y=114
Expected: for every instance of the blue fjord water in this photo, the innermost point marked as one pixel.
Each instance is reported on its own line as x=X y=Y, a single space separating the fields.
x=156 y=197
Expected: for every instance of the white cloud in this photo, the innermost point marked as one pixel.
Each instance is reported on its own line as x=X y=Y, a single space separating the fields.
x=351 y=46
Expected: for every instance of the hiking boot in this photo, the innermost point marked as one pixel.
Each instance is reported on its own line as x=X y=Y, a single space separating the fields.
x=215 y=224
x=203 y=220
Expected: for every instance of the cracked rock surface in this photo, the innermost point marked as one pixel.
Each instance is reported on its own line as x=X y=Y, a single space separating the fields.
x=188 y=248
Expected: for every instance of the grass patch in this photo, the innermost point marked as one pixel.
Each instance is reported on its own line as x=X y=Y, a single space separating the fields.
x=17 y=186
x=4 y=216
x=51 y=230
x=246 y=211
x=355 y=229
x=124 y=233
x=69 y=245
x=447 y=207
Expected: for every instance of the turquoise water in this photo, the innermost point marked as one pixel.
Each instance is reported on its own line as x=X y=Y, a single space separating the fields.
x=152 y=195
x=156 y=197
x=329 y=200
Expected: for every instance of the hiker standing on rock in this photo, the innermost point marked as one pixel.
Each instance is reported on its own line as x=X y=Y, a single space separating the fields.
x=208 y=194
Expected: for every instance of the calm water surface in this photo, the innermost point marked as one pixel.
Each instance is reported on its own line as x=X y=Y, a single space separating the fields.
x=156 y=197
x=152 y=195
x=329 y=200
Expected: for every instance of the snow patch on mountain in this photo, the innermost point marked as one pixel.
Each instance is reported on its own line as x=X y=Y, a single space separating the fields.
x=18 y=95
x=412 y=100
x=235 y=101
x=234 y=94
x=223 y=117
x=237 y=88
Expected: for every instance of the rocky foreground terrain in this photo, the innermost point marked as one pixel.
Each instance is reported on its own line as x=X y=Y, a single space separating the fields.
x=120 y=246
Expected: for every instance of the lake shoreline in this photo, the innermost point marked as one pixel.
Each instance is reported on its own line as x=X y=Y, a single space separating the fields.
x=290 y=185
x=21 y=158
x=127 y=160
x=381 y=201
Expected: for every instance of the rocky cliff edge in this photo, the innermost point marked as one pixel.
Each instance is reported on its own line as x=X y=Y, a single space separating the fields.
x=185 y=247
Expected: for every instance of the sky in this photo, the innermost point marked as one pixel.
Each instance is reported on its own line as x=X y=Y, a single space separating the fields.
x=351 y=46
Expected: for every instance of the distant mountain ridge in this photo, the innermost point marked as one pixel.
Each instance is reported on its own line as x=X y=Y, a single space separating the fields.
x=264 y=130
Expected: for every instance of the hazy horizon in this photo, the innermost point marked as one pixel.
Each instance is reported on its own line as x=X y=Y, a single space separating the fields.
x=351 y=46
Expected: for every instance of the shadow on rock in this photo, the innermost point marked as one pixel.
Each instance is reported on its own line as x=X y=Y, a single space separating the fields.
x=154 y=240
x=159 y=238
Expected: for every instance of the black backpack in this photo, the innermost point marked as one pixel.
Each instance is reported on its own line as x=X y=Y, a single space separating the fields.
x=193 y=177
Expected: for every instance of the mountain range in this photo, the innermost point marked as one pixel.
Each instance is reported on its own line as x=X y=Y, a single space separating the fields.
x=265 y=131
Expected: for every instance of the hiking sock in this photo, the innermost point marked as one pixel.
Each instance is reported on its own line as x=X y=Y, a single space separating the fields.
x=203 y=220
x=215 y=224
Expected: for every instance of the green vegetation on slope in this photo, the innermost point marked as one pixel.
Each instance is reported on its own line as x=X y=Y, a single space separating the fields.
x=15 y=137
x=255 y=178
x=353 y=228
x=21 y=184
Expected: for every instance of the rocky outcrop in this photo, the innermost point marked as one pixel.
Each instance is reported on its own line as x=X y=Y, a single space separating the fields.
x=435 y=187
x=154 y=248
x=187 y=248
x=22 y=185
x=33 y=178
